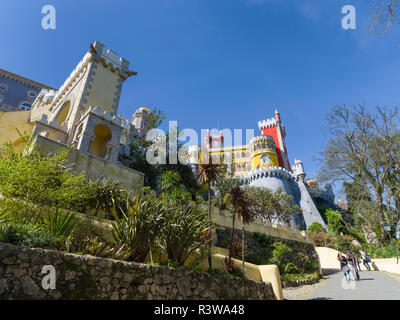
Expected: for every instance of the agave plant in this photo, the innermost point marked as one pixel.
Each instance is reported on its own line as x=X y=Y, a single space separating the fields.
x=105 y=195
x=95 y=247
x=138 y=225
x=59 y=224
x=186 y=230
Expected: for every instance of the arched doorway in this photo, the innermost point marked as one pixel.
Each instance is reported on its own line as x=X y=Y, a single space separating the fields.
x=98 y=147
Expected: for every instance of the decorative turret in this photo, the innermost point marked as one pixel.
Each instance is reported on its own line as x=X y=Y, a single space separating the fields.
x=298 y=170
x=140 y=120
x=262 y=152
x=213 y=141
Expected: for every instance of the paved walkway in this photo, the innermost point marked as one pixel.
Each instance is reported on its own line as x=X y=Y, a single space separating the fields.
x=373 y=285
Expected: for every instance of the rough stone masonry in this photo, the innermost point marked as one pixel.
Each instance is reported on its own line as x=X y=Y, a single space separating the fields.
x=87 y=277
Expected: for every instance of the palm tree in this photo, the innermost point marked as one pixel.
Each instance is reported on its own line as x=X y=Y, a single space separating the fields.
x=208 y=173
x=241 y=205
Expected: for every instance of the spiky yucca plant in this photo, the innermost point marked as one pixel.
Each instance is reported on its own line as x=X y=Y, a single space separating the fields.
x=138 y=225
x=184 y=232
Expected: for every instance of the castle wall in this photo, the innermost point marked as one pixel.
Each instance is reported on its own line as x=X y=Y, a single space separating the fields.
x=10 y=122
x=16 y=90
x=223 y=218
x=310 y=211
x=103 y=89
x=94 y=167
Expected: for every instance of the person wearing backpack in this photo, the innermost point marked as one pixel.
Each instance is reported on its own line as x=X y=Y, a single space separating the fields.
x=353 y=264
x=366 y=259
x=344 y=266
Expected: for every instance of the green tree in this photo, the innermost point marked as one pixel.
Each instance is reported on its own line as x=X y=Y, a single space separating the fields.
x=315 y=227
x=241 y=206
x=364 y=148
x=335 y=222
x=272 y=206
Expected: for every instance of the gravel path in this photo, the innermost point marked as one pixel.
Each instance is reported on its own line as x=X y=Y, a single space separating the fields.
x=303 y=292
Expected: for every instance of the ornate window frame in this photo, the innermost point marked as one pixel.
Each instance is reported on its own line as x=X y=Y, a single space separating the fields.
x=24 y=108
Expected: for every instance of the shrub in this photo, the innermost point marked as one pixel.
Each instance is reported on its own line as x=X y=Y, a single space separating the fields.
x=265 y=241
x=315 y=227
x=104 y=195
x=59 y=224
x=41 y=179
x=335 y=222
x=94 y=247
x=237 y=245
x=344 y=243
x=230 y=267
x=3 y=215
x=280 y=257
x=28 y=235
x=322 y=239
x=139 y=225
x=306 y=263
x=184 y=231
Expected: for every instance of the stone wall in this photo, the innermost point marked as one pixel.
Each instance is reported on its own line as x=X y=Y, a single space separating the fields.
x=258 y=254
x=94 y=167
x=223 y=218
x=86 y=277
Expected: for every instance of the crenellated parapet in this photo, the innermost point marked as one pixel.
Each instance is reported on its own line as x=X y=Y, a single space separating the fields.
x=272 y=172
x=74 y=77
x=261 y=142
x=111 y=60
x=267 y=123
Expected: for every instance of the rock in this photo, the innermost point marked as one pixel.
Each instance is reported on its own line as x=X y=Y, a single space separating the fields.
x=30 y=288
x=356 y=244
x=69 y=275
x=3 y=286
x=115 y=296
x=128 y=277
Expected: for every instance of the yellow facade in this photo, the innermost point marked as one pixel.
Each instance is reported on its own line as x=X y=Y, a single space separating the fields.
x=11 y=123
x=103 y=88
x=260 y=152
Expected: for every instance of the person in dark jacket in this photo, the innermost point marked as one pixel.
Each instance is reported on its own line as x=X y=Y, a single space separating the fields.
x=365 y=259
x=344 y=266
x=351 y=258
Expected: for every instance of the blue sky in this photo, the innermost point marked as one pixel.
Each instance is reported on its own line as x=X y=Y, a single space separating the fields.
x=204 y=61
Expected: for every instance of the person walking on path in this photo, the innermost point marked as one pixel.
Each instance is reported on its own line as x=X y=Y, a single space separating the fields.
x=365 y=259
x=357 y=261
x=353 y=264
x=344 y=266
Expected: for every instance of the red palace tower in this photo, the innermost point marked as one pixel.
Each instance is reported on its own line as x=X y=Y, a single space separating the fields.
x=273 y=127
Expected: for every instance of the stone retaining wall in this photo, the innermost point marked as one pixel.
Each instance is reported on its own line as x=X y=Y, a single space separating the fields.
x=298 y=283
x=87 y=277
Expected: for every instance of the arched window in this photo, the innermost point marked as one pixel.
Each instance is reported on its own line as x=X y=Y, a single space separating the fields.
x=3 y=87
x=63 y=113
x=98 y=147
